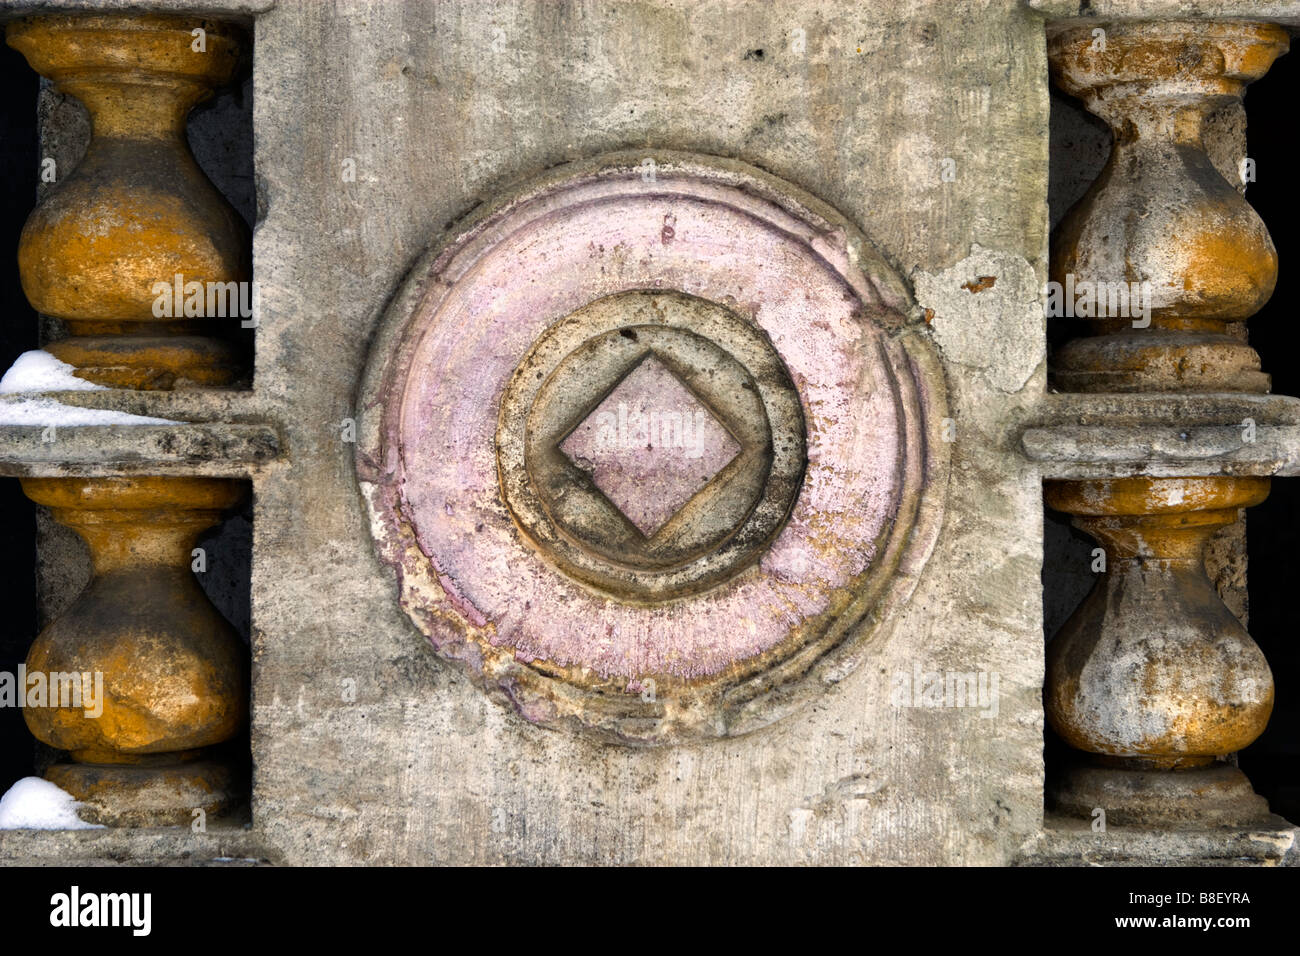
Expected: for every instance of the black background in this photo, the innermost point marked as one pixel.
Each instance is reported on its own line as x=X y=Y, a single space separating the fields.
x=19 y=170
x=1273 y=528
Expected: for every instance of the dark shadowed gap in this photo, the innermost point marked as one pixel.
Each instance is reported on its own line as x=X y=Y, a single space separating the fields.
x=18 y=172
x=1273 y=528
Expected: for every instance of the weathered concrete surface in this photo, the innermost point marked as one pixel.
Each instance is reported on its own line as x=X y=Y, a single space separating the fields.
x=439 y=107
x=1101 y=436
x=959 y=316
x=227 y=450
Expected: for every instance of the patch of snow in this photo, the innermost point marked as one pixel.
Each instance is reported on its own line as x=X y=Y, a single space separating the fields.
x=39 y=371
x=36 y=804
x=46 y=411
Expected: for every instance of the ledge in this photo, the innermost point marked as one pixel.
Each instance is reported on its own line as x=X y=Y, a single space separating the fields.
x=1069 y=842
x=1097 y=451
x=1164 y=436
x=99 y=451
x=1278 y=11
x=211 y=405
x=234 y=9
x=202 y=442
x=221 y=845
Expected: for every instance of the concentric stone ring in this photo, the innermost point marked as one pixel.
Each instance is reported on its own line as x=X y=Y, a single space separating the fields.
x=658 y=455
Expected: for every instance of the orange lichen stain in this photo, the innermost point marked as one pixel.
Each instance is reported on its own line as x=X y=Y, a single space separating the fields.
x=980 y=285
x=1234 y=274
x=152 y=363
x=1152 y=496
x=107 y=271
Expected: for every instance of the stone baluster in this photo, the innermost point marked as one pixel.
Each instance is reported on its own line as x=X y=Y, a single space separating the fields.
x=1152 y=678
x=104 y=250
x=134 y=227
x=169 y=675
x=1153 y=673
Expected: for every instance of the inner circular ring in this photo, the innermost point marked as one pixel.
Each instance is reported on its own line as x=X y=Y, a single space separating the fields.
x=721 y=364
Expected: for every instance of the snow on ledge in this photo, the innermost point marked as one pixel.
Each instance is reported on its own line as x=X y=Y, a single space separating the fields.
x=46 y=411
x=36 y=804
x=39 y=371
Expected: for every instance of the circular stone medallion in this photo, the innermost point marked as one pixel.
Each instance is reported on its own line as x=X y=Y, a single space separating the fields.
x=653 y=449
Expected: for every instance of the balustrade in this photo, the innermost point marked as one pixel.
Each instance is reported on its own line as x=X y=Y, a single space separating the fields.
x=117 y=251
x=1152 y=678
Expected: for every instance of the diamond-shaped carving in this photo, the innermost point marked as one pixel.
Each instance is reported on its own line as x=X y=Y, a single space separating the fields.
x=650 y=445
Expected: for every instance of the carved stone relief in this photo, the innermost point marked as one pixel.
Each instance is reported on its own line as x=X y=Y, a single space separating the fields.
x=651 y=448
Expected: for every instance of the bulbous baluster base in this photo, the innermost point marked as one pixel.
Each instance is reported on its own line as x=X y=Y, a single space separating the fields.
x=150 y=362
x=154 y=793
x=1143 y=796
